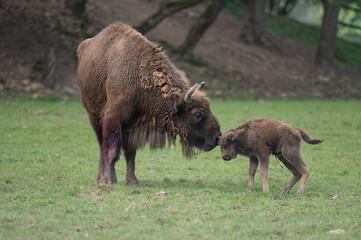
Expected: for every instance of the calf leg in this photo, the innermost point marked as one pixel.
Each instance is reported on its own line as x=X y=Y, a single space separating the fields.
x=293 y=157
x=253 y=164
x=296 y=175
x=305 y=175
x=264 y=161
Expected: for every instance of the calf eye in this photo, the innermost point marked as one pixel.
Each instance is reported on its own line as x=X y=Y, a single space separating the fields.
x=225 y=146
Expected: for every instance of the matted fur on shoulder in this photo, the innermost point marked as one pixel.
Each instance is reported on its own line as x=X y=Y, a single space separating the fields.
x=156 y=70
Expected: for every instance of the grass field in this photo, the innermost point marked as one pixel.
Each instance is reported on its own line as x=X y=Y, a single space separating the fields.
x=48 y=165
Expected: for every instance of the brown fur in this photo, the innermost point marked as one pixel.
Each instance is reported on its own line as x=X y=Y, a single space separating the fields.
x=133 y=94
x=258 y=139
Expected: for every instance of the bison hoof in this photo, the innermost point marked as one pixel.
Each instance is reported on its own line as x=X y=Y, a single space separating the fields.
x=132 y=182
x=106 y=182
x=286 y=191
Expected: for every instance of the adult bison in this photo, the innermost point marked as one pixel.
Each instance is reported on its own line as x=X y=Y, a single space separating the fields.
x=134 y=94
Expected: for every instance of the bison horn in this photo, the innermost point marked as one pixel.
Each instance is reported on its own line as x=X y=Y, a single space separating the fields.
x=200 y=86
x=188 y=96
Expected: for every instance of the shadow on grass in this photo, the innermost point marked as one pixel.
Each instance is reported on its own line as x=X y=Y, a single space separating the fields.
x=191 y=185
x=195 y=187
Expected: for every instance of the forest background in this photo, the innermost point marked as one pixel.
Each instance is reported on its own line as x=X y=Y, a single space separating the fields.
x=278 y=57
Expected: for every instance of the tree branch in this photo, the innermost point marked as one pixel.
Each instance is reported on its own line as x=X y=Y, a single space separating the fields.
x=350 y=8
x=349 y=25
x=165 y=11
x=200 y=26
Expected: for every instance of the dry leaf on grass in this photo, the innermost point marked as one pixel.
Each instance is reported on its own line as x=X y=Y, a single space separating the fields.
x=146 y=205
x=275 y=219
x=127 y=209
x=336 y=231
x=335 y=197
x=160 y=194
x=79 y=229
x=353 y=227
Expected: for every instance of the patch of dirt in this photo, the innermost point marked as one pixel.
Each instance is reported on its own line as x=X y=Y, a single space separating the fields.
x=37 y=46
x=233 y=68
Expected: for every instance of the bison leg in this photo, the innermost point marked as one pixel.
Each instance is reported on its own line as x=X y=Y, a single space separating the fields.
x=130 y=178
x=110 y=149
x=293 y=156
x=253 y=164
x=95 y=123
x=264 y=160
x=296 y=175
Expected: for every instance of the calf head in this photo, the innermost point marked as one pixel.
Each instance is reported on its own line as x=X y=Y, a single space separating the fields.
x=193 y=119
x=228 y=146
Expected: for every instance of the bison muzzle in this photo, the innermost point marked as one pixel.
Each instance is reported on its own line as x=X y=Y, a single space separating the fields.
x=134 y=94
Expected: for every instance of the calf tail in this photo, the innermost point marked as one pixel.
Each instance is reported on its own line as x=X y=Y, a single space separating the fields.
x=308 y=138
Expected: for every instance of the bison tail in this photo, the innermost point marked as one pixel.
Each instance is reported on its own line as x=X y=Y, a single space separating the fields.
x=308 y=138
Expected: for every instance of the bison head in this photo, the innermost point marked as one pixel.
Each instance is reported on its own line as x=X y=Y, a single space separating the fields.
x=194 y=121
x=228 y=146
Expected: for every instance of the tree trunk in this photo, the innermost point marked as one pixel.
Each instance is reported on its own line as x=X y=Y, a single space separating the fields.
x=274 y=11
x=165 y=10
x=77 y=7
x=327 y=44
x=200 y=26
x=254 y=26
x=275 y=8
x=288 y=7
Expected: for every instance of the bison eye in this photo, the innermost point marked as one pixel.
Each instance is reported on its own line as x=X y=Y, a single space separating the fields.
x=198 y=116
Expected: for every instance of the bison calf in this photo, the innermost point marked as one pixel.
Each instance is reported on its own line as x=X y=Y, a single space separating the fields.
x=258 y=139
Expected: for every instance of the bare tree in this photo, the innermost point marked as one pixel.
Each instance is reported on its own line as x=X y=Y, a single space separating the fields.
x=200 y=26
x=327 y=43
x=165 y=11
x=254 y=26
x=288 y=7
x=274 y=7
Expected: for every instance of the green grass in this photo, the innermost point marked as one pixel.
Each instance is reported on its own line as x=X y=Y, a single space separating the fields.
x=346 y=51
x=48 y=164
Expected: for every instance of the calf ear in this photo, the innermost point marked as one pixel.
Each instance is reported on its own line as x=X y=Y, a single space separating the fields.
x=231 y=136
x=177 y=102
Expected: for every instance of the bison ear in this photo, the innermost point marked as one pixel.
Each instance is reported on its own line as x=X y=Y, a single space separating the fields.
x=178 y=102
x=231 y=136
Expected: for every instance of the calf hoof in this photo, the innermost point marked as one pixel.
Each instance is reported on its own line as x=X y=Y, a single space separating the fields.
x=286 y=191
x=300 y=190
